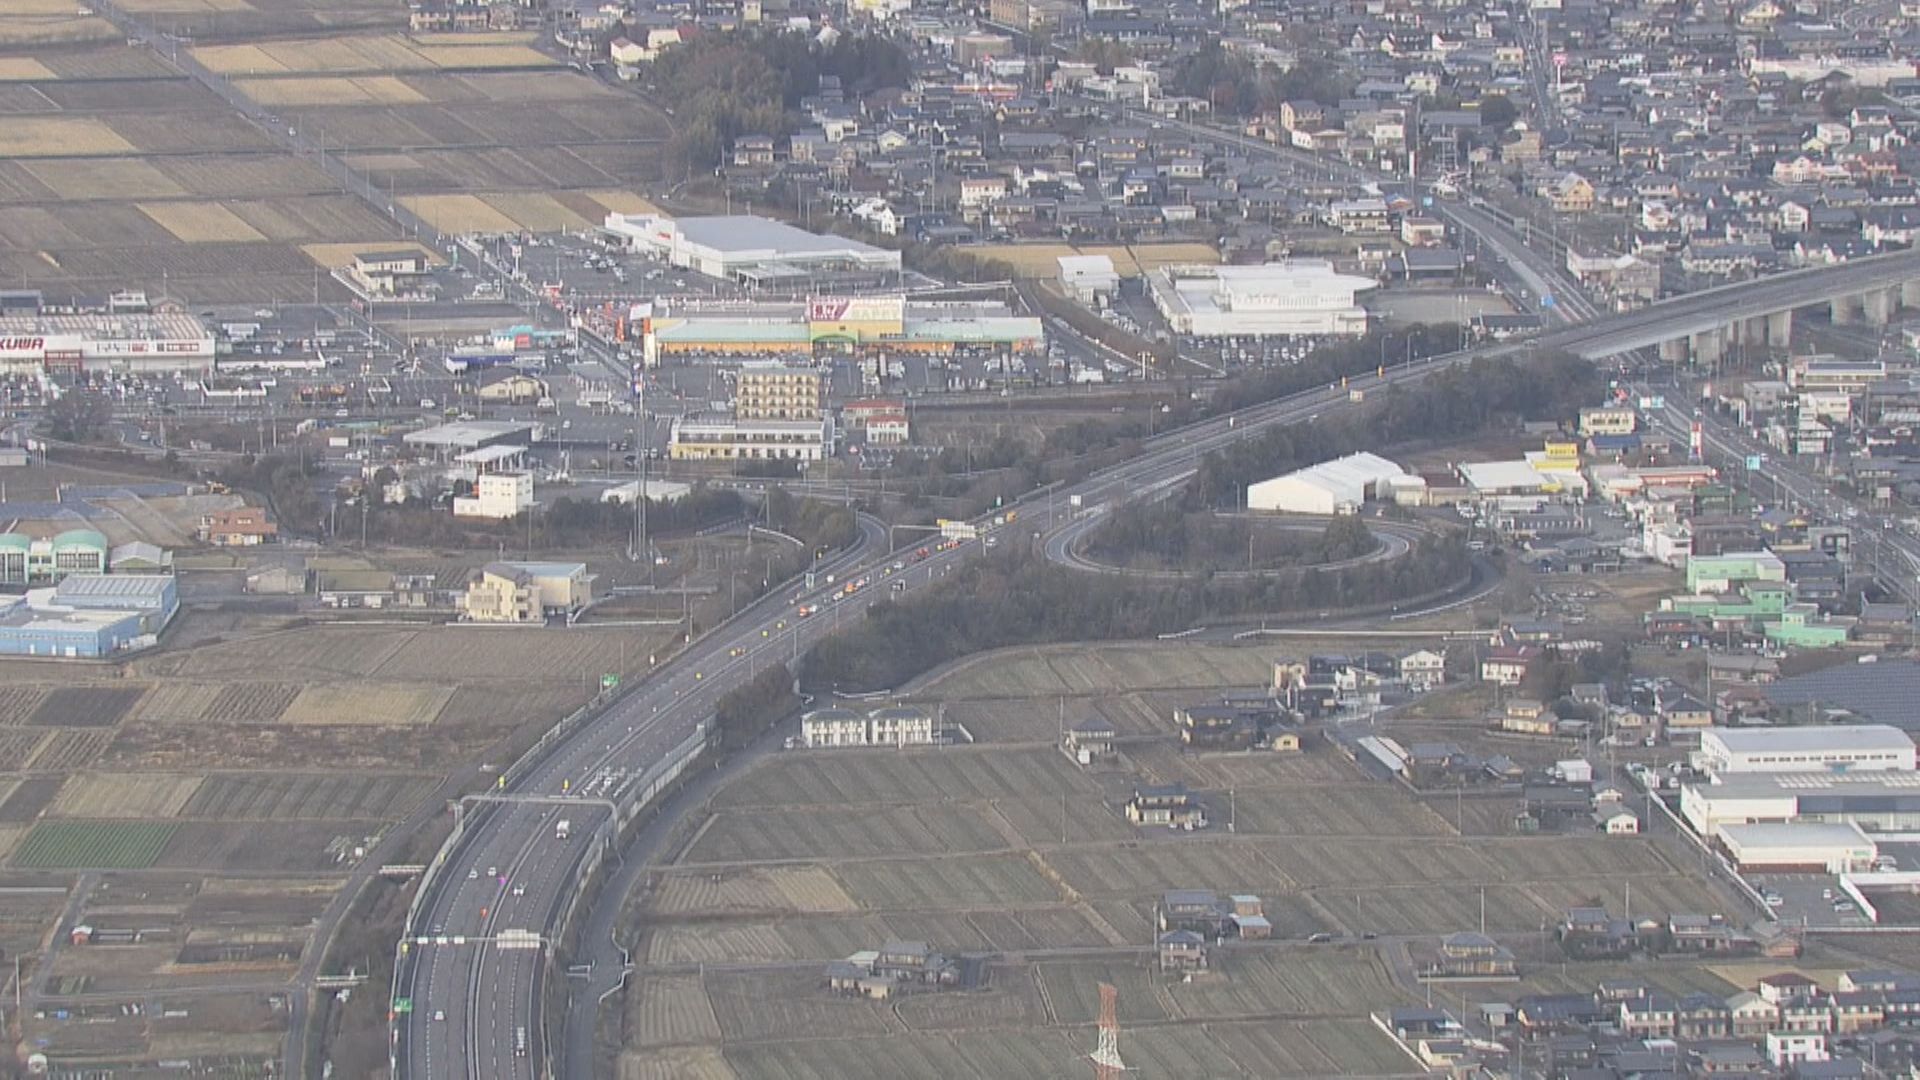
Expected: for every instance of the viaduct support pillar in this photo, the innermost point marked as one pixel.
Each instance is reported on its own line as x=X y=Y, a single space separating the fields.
x=1880 y=305
x=1845 y=309
x=1675 y=351
x=1780 y=329
x=1910 y=293
x=1709 y=348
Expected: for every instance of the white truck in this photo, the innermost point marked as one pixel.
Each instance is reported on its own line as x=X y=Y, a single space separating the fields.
x=561 y=829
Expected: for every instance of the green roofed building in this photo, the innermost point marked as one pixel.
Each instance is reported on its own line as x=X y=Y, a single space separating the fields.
x=25 y=560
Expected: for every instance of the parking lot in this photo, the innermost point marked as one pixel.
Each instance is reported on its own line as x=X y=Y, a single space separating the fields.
x=1814 y=901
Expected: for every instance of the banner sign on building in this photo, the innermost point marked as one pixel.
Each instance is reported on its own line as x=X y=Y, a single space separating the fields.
x=857 y=309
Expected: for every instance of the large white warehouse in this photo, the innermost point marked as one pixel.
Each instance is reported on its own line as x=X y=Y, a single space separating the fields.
x=1798 y=848
x=1881 y=801
x=1826 y=748
x=1339 y=486
x=1299 y=298
x=745 y=248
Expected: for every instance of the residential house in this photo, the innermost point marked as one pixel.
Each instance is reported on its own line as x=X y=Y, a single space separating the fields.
x=244 y=526
x=1182 y=950
x=1507 y=665
x=1423 y=670
x=1169 y=805
x=1090 y=740
x=1199 y=910
x=1469 y=955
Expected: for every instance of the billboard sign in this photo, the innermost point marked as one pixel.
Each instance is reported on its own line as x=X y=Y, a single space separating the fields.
x=857 y=309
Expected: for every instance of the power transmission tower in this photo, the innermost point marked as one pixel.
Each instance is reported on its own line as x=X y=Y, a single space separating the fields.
x=1106 y=1056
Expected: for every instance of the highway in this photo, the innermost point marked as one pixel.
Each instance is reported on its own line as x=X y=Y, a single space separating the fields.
x=474 y=1003
x=471 y=1002
x=511 y=867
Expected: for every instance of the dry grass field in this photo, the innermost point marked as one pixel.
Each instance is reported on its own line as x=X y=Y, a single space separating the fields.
x=23 y=69
x=125 y=795
x=809 y=889
x=370 y=54
x=539 y=213
x=19 y=30
x=460 y=213
x=623 y=202
x=369 y=705
x=59 y=136
x=307 y=92
x=201 y=222
x=113 y=178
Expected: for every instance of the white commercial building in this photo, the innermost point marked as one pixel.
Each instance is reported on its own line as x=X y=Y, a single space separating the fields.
x=1301 y=298
x=900 y=725
x=723 y=438
x=1798 y=848
x=450 y=440
x=105 y=342
x=657 y=491
x=745 y=248
x=1828 y=747
x=1881 y=801
x=1090 y=279
x=1339 y=486
x=498 y=495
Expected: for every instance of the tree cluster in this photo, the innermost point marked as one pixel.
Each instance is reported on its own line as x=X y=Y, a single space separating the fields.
x=1020 y=599
x=753 y=708
x=79 y=415
x=1236 y=85
x=821 y=526
x=1164 y=535
x=726 y=84
x=287 y=485
x=1333 y=361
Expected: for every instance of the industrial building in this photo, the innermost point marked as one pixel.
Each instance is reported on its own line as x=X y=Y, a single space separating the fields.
x=105 y=342
x=1827 y=748
x=1301 y=298
x=527 y=592
x=88 y=616
x=28 y=630
x=498 y=495
x=1798 y=848
x=754 y=251
x=1340 y=486
x=1884 y=801
x=871 y=324
x=153 y=598
x=26 y=560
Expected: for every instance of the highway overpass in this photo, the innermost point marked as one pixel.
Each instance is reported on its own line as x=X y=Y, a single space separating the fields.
x=1701 y=325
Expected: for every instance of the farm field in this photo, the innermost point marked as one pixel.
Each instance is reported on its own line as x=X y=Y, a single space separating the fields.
x=62 y=845
x=1006 y=849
